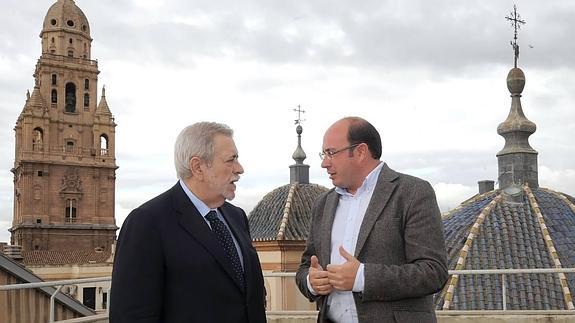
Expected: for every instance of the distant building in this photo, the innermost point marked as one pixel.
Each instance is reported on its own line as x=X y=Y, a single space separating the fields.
x=279 y=226
x=517 y=226
x=30 y=305
x=65 y=166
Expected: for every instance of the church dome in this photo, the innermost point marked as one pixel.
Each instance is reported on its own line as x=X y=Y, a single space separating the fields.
x=65 y=15
x=535 y=228
x=285 y=213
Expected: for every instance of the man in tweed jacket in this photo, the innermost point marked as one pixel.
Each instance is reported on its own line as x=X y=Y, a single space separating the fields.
x=375 y=251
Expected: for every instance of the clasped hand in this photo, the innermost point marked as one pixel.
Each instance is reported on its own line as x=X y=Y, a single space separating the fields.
x=340 y=277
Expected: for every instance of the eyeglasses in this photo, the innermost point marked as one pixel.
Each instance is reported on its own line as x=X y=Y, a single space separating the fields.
x=330 y=153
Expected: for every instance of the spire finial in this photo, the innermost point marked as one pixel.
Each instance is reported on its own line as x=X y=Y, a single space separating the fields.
x=299 y=172
x=104 y=90
x=516 y=22
x=299 y=111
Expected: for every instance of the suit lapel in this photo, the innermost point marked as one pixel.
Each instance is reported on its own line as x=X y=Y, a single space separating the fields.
x=329 y=209
x=192 y=222
x=381 y=193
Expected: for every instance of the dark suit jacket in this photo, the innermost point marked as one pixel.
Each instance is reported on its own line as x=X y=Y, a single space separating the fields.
x=169 y=267
x=401 y=244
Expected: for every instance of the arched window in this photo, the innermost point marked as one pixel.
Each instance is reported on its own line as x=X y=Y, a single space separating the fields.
x=54 y=96
x=70 y=97
x=38 y=139
x=54 y=79
x=86 y=100
x=103 y=145
x=86 y=84
x=70 y=214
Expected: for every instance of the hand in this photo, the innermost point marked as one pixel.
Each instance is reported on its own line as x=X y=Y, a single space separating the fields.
x=342 y=277
x=318 y=278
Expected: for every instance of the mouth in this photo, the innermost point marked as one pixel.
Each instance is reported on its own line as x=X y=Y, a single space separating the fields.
x=233 y=181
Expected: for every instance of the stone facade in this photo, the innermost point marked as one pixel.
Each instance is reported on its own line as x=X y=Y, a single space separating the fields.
x=65 y=165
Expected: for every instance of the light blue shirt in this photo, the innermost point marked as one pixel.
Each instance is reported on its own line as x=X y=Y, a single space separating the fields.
x=204 y=210
x=349 y=215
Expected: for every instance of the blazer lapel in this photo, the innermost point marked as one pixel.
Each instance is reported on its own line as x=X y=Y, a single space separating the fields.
x=329 y=209
x=382 y=192
x=192 y=222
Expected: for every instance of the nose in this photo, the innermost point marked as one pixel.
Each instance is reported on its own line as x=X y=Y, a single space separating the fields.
x=239 y=169
x=325 y=163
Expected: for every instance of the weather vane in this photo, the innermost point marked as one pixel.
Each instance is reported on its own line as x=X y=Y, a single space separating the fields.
x=299 y=111
x=516 y=22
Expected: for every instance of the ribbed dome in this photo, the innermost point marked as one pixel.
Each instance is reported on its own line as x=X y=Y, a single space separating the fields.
x=494 y=231
x=65 y=15
x=284 y=213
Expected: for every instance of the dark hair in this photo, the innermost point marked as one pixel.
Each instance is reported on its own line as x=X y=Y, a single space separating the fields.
x=361 y=131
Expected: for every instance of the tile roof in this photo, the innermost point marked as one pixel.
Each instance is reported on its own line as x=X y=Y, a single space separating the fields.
x=54 y=257
x=284 y=213
x=510 y=236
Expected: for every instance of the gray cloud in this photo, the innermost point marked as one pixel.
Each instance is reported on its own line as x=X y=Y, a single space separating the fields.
x=446 y=36
x=392 y=47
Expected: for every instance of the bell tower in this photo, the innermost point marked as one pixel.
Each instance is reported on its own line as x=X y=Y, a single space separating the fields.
x=65 y=165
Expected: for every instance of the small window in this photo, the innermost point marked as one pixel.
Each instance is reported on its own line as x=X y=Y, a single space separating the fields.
x=86 y=84
x=84 y=28
x=103 y=145
x=54 y=79
x=70 y=40
x=39 y=221
x=40 y=173
x=52 y=40
x=89 y=298
x=70 y=214
x=70 y=53
x=105 y=301
x=53 y=23
x=86 y=100
x=70 y=23
x=69 y=146
x=36 y=247
x=54 y=96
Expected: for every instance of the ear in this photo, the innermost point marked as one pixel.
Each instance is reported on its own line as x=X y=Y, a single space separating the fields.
x=195 y=165
x=363 y=151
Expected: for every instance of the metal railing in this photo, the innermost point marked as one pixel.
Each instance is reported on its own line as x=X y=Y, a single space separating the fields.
x=503 y=272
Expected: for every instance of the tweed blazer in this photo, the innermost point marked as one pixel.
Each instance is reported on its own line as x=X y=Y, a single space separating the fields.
x=400 y=243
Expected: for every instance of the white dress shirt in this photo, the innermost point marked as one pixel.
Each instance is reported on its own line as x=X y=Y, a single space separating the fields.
x=204 y=210
x=344 y=232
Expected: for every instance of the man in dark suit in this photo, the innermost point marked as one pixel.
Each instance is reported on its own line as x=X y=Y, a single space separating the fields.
x=187 y=255
x=375 y=251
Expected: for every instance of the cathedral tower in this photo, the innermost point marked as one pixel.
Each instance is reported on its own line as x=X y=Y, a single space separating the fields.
x=64 y=168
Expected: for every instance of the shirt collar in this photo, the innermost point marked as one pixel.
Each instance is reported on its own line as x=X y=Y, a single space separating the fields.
x=368 y=183
x=201 y=206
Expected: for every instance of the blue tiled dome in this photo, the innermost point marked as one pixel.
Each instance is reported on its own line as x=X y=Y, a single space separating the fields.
x=536 y=229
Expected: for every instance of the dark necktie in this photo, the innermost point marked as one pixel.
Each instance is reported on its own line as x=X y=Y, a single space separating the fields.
x=225 y=238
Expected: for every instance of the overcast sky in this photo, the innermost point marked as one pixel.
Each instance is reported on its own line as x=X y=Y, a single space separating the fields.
x=430 y=75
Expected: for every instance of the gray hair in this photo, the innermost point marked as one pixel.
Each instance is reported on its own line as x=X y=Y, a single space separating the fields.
x=197 y=140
